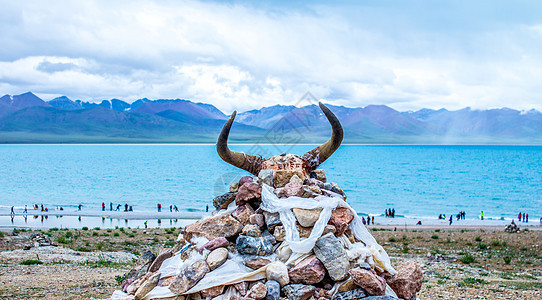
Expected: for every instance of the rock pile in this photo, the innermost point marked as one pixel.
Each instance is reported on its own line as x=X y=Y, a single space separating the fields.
x=512 y=227
x=274 y=236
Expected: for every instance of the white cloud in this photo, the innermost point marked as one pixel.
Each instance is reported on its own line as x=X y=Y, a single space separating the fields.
x=237 y=56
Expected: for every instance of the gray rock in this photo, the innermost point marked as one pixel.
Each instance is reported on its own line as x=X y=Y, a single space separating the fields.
x=222 y=201
x=269 y=236
x=189 y=277
x=298 y=291
x=273 y=290
x=380 y=298
x=331 y=253
x=266 y=176
x=272 y=220
x=142 y=265
x=254 y=245
x=157 y=263
x=350 y=295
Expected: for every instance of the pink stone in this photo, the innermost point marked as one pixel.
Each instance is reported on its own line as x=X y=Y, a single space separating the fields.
x=257 y=219
x=242 y=213
x=247 y=192
x=223 y=225
x=212 y=292
x=214 y=244
x=241 y=287
x=408 y=280
x=293 y=188
x=341 y=218
x=308 y=271
x=369 y=281
x=245 y=179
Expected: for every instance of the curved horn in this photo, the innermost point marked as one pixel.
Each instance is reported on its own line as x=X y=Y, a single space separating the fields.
x=319 y=154
x=243 y=161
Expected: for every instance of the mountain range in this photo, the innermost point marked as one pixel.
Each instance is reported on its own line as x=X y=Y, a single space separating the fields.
x=26 y=118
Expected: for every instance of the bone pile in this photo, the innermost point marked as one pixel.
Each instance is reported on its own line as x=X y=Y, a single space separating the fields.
x=275 y=236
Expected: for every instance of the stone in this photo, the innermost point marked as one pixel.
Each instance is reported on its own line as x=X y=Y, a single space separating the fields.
x=273 y=290
x=258 y=291
x=234 y=187
x=235 y=297
x=242 y=288
x=308 y=193
x=254 y=245
x=245 y=179
x=408 y=280
x=332 y=254
x=282 y=177
x=189 y=277
x=380 y=298
x=142 y=265
x=223 y=225
x=293 y=188
x=248 y=192
x=278 y=272
x=304 y=232
x=251 y=230
x=347 y=285
x=314 y=188
x=188 y=252
x=369 y=281
x=298 y=291
x=296 y=179
x=314 y=182
x=159 y=260
x=307 y=217
x=222 y=201
x=341 y=218
x=351 y=295
x=216 y=258
x=242 y=213
x=336 y=189
x=318 y=174
x=136 y=284
x=266 y=176
x=212 y=292
x=167 y=281
x=147 y=286
x=308 y=271
x=271 y=220
x=279 y=192
x=126 y=283
x=328 y=229
x=215 y=243
x=350 y=235
x=257 y=219
x=279 y=234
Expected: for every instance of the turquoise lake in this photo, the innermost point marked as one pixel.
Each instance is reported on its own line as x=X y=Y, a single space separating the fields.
x=419 y=181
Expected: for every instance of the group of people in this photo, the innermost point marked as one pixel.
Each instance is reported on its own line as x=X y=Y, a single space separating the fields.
x=390 y=213
x=171 y=207
x=368 y=221
x=460 y=215
x=523 y=217
x=126 y=207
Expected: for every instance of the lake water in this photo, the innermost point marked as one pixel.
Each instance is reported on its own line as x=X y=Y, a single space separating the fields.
x=415 y=180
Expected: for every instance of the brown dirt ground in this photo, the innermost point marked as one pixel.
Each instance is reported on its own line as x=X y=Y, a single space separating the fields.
x=460 y=263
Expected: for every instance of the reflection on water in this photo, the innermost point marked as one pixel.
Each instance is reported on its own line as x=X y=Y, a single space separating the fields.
x=45 y=221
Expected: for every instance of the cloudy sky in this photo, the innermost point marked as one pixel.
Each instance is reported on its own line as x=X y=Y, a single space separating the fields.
x=244 y=55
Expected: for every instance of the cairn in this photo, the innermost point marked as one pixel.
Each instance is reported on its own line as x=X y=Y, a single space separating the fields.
x=284 y=232
x=511 y=228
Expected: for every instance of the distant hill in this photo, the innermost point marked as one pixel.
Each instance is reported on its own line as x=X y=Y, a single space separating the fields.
x=26 y=118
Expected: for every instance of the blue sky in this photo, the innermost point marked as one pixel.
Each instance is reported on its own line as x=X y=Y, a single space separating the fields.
x=243 y=55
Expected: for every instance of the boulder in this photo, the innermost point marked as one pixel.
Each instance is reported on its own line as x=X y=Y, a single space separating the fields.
x=318 y=174
x=332 y=254
x=215 y=243
x=142 y=265
x=159 y=260
x=189 y=277
x=245 y=179
x=309 y=271
x=369 y=281
x=212 y=292
x=273 y=290
x=222 y=201
x=251 y=230
x=307 y=217
x=216 y=258
x=136 y=284
x=279 y=234
x=347 y=285
x=271 y=220
x=408 y=280
x=147 y=286
x=254 y=245
x=266 y=176
x=294 y=188
x=223 y=225
x=256 y=263
x=351 y=295
x=282 y=177
x=242 y=213
x=341 y=218
x=257 y=219
x=298 y=291
x=248 y=192
x=258 y=291
x=278 y=272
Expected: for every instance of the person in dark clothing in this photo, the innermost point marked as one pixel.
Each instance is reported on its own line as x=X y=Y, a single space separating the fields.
x=110 y=206
x=176 y=208
x=118 y=208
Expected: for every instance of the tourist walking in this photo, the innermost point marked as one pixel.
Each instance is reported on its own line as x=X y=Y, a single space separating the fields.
x=519 y=217
x=451 y=219
x=159 y=207
x=170 y=208
x=110 y=206
x=103 y=206
x=25 y=210
x=482 y=215
x=527 y=218
x=176 y=208
x=523 y=217
x=12 y=211
x=373 y=220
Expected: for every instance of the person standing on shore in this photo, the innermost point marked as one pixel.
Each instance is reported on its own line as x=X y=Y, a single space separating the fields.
x=519 y=217
x=110 y=206
x=373 y=220
x=176 y=208
x=527 y=218
x=103 y=206
x=393 y=212
x=451 y=219
x=145 y=224
x=159 y=207
x=523 y=217
x=482 y=215
x=12 y=211
x=25 y=209
x=79 y=207
x=170 y=208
